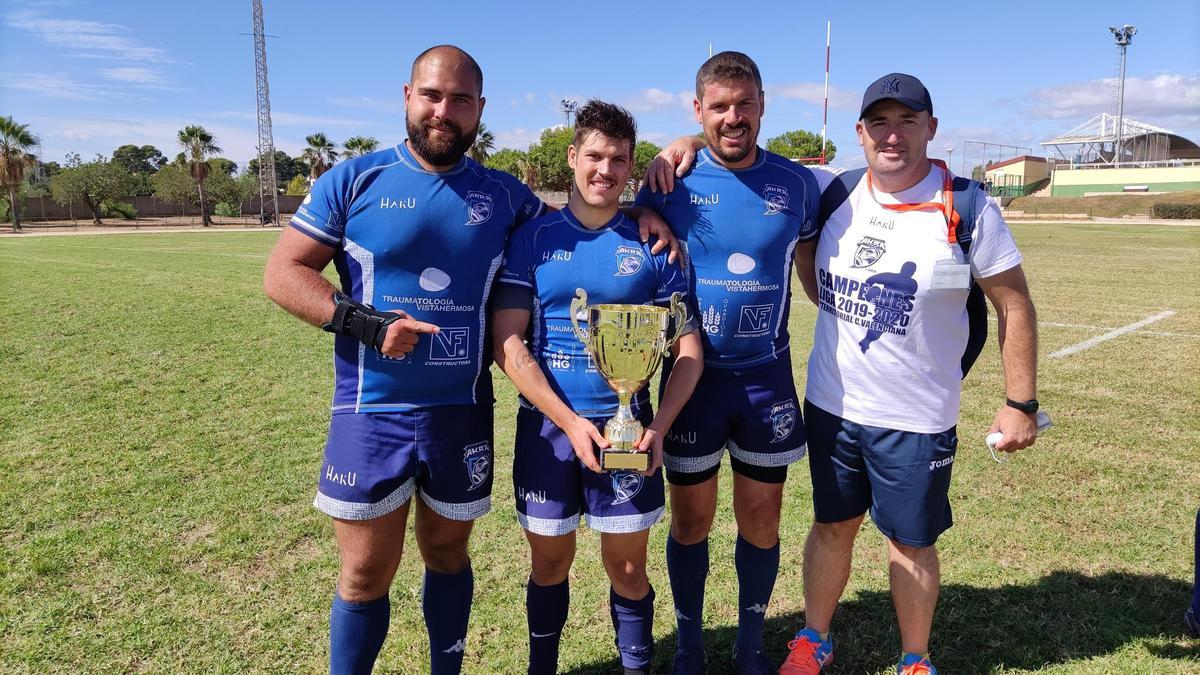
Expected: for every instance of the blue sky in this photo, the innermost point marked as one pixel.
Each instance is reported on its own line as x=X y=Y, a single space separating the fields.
x=90 y=76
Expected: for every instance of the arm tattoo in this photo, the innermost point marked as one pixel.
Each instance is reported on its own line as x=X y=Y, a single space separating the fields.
x=523 y=358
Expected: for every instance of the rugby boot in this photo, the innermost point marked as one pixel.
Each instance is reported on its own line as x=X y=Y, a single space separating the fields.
x=915 y=664
x=808 y=654
x=686 y=663
x=752 y=663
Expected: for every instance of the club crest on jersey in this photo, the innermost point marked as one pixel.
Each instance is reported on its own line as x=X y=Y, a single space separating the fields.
x=478 y=458
x=629 y=261
x=783 y=420
x=776 y=198
x=479 y=207
x=869 y=251
x=626 y=485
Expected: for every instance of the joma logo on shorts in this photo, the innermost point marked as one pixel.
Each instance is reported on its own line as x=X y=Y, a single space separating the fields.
x=939 y=463
x=340 y=477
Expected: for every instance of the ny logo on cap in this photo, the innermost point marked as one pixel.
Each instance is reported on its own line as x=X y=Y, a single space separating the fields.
x=891 y=86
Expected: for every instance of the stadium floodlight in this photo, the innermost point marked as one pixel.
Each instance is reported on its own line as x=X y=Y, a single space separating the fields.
x=567 y=106
x=1124 y=36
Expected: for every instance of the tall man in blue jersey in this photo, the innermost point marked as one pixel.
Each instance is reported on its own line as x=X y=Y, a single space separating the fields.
x=565 y=401
x=742 y=213
x=417 y=231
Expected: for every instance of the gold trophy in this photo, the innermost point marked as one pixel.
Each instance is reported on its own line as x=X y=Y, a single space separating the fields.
x=627 y=342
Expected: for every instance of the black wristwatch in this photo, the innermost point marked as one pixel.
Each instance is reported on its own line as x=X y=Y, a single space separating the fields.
x=1028 y=407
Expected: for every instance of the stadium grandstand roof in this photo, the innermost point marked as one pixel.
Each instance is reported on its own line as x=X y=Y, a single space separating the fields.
x=1103 y=127
x=1141 y=141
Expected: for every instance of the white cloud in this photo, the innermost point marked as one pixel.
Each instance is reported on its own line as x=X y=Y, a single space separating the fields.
x=368 y=103
x=656 y=99
x=814 y=93
x=146 y=77
x=530 y=97
x=88 y=38
x=1170 y=96
x=54 y=85
x=517 y=139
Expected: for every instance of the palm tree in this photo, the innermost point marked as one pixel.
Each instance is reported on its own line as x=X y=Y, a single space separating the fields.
x=197 y=145
x=15 y=158
x=484 y=143
x=320 y=154
x=357 y=146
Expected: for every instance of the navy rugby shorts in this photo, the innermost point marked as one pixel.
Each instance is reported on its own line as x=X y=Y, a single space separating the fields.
x=374 y=462
x=553 y=488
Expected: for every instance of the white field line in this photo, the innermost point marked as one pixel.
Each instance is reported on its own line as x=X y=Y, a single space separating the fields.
x=1092 y=342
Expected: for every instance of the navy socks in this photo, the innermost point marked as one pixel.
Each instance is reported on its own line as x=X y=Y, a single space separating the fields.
x=633 y=622
x=446 y=603
x=687 y=567
x=546 y=612
x=756 y=571
x=356 y=633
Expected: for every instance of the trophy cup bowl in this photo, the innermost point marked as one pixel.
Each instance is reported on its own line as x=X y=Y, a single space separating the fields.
x=627 y=342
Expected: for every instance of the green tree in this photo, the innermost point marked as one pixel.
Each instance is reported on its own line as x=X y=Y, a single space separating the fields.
x=92 y=183
x=320 y=154
x=643 y=154
x=286 y=167
x=484 y=143
x=507 y=160
x=139 y=160
x=198 y=144
x=548 y=159
x=800 y=144
x=297 y=186
x=174 y=184
x=16 y=157
x=231 y=193
x=357 y=146
x=225 y=166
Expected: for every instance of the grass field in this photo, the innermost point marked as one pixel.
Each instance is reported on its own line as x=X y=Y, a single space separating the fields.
x=162 y=424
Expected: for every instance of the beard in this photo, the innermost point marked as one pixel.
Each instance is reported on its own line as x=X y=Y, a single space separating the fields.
x=440 y=152
x=730 y=156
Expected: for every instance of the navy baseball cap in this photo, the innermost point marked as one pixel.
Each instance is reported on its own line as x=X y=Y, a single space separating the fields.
x=899 y=87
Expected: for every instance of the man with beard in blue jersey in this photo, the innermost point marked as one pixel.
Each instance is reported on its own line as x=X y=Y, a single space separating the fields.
x=740 y=214
x=565 y=401
x=417 y=234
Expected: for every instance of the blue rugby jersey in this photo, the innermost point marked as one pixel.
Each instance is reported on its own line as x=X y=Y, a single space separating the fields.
x=429 y=244
x=552 y=256
x=738 y=229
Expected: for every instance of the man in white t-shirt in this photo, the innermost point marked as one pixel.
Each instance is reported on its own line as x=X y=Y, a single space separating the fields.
x=891 y=279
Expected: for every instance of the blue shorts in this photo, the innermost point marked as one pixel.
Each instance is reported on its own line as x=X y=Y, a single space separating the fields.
x=375 y=461
x=901 y=476
x=552 y=487
x=754 y=412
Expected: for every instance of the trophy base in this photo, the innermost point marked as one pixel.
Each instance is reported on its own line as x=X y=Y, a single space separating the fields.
x=618 y=460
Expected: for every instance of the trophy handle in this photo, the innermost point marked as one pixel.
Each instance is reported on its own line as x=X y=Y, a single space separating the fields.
x=579 y=302
x=679 y=314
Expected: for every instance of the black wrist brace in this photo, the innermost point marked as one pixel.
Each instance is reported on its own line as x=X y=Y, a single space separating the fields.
x=360 y=321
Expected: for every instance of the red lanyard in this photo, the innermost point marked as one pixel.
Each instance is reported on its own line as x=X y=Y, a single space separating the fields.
x=946 y=206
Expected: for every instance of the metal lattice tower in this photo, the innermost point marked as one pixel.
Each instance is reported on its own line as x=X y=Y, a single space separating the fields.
x=268 y=188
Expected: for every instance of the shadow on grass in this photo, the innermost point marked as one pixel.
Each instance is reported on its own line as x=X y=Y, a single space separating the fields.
x=1063 y=617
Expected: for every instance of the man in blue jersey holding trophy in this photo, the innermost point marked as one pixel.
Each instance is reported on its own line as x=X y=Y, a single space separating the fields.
x=565 y=401
x=740 y=213
x=417 y=235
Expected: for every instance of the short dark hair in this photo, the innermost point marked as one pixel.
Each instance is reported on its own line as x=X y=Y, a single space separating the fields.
x=724 y=67
x=606 y=118
x=456 y=52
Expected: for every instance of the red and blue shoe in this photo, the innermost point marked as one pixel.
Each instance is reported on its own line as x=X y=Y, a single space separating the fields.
x=808 y=654
x=915 y=664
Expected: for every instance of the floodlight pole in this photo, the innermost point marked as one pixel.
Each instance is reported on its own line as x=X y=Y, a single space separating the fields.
x=267 y=185
x=567 y=107
x=1123 y=35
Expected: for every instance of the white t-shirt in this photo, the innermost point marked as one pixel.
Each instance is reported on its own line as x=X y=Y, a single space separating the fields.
x=888 y=347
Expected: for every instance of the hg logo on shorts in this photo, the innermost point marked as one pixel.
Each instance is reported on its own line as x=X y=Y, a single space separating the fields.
x=626 y=485
x=479 y=463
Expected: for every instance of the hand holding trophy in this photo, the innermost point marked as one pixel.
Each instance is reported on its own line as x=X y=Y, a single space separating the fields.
x=627 y=342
